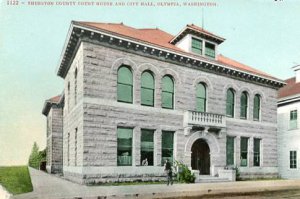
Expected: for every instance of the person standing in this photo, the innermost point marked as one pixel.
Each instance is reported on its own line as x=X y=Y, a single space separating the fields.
x=168 y=170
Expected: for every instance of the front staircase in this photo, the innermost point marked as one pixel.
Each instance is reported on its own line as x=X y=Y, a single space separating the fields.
x=209 y=179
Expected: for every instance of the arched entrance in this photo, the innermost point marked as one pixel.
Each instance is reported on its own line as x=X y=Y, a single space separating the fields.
x=201 y=157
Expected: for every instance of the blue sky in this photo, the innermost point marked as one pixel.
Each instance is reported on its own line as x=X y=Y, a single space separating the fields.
x=261 y=33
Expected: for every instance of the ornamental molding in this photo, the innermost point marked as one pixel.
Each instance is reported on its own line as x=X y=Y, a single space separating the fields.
x=78 y=33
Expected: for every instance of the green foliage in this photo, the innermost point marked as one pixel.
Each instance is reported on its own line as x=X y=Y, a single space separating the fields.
x=16 y=179
x=184 y=174
x=36 y=156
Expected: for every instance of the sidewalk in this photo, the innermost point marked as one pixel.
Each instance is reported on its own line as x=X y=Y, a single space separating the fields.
x=47 y=186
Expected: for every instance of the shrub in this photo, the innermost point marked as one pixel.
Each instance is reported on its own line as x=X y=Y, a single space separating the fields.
x=184 y=173
x=36 y=156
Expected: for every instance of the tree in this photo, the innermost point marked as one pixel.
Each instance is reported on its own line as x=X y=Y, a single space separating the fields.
x=34 y=158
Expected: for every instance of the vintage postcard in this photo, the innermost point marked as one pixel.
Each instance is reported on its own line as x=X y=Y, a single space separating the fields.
x=149 y=99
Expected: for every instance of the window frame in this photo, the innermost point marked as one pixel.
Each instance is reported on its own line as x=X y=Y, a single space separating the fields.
x=125 y=84
x=119 y=146
x=243 y=152
x=150 y=161
x=232 y=104
x=210 y=54
x=148 y=89
x=293 y=159
x=199 y=51
x=293 y=119
x=255 y=153
x=163 y=147
x=257 y=107
x=168 y=92
x=198 y=98
x=244 y=107
x=233 y=149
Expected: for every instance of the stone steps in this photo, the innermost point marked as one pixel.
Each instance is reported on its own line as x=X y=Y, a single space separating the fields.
x=209 y=179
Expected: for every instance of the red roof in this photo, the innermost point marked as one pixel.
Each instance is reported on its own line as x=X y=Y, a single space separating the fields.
x=161 y=38
x=291 y=88
x=54 y=99
x=204 y=31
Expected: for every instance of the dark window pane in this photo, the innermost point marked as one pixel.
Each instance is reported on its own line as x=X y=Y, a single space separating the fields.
x=230 y=151
x=124 y=146
x=167 y=146
x=244 y=151
x=209 y=50
x=147 y=97
x=196 y=46
x=244 y=105
x=125 y=85
x=256 y=150
x=147 y=146
x=201 y=97
x=293 y=159
x=230 y=103
x=256 y=107
x=167 y=100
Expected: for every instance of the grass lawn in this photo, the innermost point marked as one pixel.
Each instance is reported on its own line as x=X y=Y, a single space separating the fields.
x=15 y=179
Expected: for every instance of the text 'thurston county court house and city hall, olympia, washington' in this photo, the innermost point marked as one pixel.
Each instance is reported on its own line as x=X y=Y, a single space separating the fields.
x=131 y=94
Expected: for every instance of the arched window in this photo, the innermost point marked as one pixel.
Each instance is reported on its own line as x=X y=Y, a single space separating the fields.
x=125 y=85
x=244 y=105
x=167 y=92
x=256 y=107
x=201 y=97
x=75 y=86
x=230 y=103
x=147 y=89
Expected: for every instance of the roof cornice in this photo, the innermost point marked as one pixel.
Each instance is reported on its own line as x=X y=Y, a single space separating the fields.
x=77 y=31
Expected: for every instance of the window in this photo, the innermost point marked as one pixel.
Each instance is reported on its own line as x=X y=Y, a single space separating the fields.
x=147 y=146
x=197 y=46
x=124 y=146
x=293 y=119
x=293 y=159
x=147 y=89
x=167 y=92
x=167 y=146
x=256 y=151
x=244 y=151
x=201 y=97
x=125 y=82
x=256 y=107
x=230 y=103
x=244 y=105
x=229 y=150
x=75 y=86
x=210 y=50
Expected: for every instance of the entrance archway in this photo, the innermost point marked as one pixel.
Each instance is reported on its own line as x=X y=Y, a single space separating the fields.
x=201 y=157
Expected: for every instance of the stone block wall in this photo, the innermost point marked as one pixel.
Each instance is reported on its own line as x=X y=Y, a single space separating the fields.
x=55 y=140
x=98 y=113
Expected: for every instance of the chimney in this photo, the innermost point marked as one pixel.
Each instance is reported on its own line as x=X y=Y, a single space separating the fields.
x=297 y=73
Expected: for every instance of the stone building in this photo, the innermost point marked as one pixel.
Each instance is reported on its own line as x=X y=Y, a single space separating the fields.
x=288 y=127
x=135 y=94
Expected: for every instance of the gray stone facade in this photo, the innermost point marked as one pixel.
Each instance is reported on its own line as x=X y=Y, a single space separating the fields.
x=91 y=115
x=54 y=140
x=97 y=115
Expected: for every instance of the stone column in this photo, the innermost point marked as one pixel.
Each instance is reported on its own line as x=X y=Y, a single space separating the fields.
x=157 y=147
x=136 y=146
x=250 y=152
x=238 y=151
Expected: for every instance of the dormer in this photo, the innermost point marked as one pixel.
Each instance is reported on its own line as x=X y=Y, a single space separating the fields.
x=198 y=41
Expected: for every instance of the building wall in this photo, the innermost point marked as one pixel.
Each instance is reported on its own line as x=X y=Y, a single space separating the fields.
x=102 y=113
x=288 y=140
x=55 y=140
